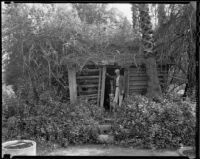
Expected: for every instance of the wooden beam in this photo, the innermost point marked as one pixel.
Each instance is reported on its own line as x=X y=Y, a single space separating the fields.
x=103 y=85
x=128 y=78
x=88 y=92
x=90 y=95
x=137 y=83
x=88 y=85
x=92 y=81
x=99 y=88
x=126 y=81
x=87 y=77
x=72 y=84
x=90 y=70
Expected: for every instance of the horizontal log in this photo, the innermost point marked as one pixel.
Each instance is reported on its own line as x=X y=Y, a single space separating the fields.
x=81 y=81
x=143 y=75
x=137 y=72
x=88 y=73
x=143 y=71
x=136 y=91
x=89 y=96
x=141 y=83
x=137 y=88
x=137 y=83
x=88 y=85
x=87 y=77
x=88 y=92
x=137 y=78
x=137 y=75
x=90 y=70
x=143 y=68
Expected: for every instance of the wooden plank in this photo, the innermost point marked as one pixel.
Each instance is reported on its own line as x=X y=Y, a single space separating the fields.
x=72 y=84
x=138 y=72
x=128 y=82
x=103 y=85
x=88 y=80
x=140 y=83
x=138 y=78
x=144 y=71
x=88 y=85
x=137 y=90
x=90 y=70
x=137 y=87
x=87 y=77
x=99 y=88
x=88 y=92
x=90 y=95
x=141 y=75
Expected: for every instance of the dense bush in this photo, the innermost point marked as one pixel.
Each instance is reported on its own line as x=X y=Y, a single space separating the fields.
x=158 y=125
x=51 y=120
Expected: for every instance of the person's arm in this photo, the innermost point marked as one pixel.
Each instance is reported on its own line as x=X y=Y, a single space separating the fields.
x=112 y=77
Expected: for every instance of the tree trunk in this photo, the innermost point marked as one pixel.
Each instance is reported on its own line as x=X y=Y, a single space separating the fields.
x=191 y=73
x=72 y=84
x=153 y=86
x=153 y=89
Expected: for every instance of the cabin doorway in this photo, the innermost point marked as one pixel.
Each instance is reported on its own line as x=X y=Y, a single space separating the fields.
x=110 y=86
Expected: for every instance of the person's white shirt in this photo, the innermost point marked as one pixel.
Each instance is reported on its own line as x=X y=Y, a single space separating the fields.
x=117 y=81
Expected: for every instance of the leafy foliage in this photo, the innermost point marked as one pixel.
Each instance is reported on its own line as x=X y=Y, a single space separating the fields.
x=40 y=40
x=54 y=121
x=175 y=41
x=151 y=124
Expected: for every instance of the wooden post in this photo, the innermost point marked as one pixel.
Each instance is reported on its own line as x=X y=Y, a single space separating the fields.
x=125 y=82
x=99 y=88
x=72 y=84
x=103 y=85
x=128 y=78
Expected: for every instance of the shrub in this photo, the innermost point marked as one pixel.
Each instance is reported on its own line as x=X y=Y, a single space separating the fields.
x=158 y=125
x=53 y=121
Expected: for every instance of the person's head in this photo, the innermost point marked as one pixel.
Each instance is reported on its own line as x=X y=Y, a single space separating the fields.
x=117 y=71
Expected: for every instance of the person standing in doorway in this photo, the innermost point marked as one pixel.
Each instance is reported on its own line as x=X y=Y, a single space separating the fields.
x=119 y=87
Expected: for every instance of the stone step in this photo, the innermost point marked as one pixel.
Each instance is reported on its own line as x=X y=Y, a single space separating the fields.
x=109 y=120
x=105 y=139
x=105 y=128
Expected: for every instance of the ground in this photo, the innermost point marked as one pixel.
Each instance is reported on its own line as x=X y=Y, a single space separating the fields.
x=101 y=150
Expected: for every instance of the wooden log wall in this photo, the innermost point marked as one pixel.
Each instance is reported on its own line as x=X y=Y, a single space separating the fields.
x=88 y=83
x=137 y=79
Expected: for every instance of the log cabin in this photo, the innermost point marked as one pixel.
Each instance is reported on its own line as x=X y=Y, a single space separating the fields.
x=91 y=82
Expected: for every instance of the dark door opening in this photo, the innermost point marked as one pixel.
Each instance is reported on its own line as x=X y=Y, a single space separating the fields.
x=110 y=85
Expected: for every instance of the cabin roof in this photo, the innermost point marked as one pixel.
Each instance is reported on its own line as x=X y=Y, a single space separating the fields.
x=126 y=60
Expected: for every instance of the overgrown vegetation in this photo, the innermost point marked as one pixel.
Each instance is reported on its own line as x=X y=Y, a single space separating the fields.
x=155 y=125
x=39 y=42
x=51 y=121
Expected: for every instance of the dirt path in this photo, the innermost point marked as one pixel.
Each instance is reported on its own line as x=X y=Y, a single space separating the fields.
x=100 y=150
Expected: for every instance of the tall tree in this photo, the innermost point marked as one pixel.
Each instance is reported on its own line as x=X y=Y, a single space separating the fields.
x=91 y=13
x=153 y=85
x=175 y=42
